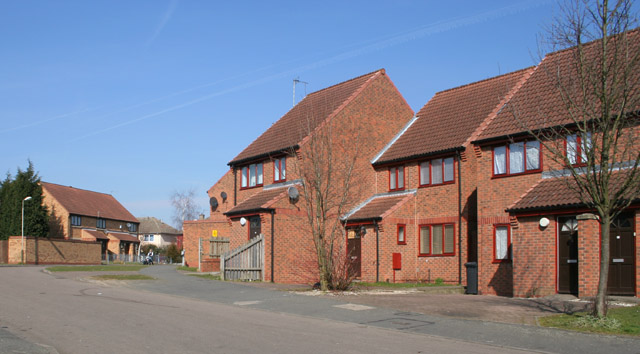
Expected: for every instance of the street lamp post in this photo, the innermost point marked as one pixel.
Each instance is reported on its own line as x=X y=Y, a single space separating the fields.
x=23 y=200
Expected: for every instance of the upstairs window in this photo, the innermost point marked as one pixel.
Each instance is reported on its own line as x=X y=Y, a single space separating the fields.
x=133 y=227
x=251 y=175
x=76 y=220
x=438 y=171
x=516 y=158
x=396 y=178
x=101 y=223
x=280 y=169
x=577 y=147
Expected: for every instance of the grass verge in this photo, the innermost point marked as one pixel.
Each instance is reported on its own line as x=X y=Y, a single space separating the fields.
x=187 y=269
x=98 y=268
x=123 y=277
x=395 y=285
x=622 y=320
x=206 y=276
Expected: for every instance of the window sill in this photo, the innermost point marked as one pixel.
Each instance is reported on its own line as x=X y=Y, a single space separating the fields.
x=402 y=243
x=436 y=185
x=437 y=255
x=499 y=261
x=516 y=174
x=256 y=186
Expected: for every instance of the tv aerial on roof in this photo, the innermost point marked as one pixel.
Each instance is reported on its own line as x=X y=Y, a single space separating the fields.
x=297 y=81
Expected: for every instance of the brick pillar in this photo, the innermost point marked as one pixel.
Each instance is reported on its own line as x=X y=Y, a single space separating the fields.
x=588 y=254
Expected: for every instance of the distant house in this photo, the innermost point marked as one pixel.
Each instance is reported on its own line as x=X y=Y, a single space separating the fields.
x=155 y=232
x=80 y=214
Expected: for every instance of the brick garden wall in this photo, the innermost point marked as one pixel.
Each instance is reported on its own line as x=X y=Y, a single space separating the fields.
x=54 y=251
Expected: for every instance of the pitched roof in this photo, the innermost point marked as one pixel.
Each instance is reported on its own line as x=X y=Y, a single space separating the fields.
x=151 y=225
x=558 y=193
x=304 y=117
x=451 y=117
x=379 y=206
x=538 y=103
x=261 y=200
x=123 y=237
x=88 y=203
x=98 y=235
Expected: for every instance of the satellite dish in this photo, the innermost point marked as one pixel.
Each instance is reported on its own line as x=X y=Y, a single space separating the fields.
x=363 y=231
x=223 y=195
x=214 y=203
x=293 y=193
x=128 y=224
x=243 y=221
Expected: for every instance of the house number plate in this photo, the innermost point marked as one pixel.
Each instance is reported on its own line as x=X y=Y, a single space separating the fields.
x=618 y=260
x=572 y=261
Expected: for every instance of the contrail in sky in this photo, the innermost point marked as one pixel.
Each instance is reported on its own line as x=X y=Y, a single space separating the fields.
x=376 y=45
x=165 y=19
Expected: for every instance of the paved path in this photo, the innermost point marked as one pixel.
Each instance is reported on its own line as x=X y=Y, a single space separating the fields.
x=501 y=334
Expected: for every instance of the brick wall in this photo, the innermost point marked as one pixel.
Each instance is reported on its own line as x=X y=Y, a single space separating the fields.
x=202 y=229
x=437 y=204
x=54 y=251
x=362 y=127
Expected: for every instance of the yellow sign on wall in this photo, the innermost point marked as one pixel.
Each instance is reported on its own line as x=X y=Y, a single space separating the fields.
x=214 y=233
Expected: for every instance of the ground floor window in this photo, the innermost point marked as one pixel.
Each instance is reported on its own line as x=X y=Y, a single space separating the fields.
x=437 y=240
x=502 y=243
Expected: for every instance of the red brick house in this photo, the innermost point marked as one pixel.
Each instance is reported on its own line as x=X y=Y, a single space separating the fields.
x=79 y=214
x=252 y=197
x=535 y=237
x=420 y=222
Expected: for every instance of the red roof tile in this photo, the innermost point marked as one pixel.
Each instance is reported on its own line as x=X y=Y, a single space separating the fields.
x=556 y=193
x=379 y=206
x=83 y=202
x=538 y=103
x=259 y=201
x=94 y=234
x=304 y=117
x=449 y=120
x=123 y=237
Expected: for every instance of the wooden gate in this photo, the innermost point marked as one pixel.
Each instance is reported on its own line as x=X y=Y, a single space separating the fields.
x=245 y=262
x=214 y=247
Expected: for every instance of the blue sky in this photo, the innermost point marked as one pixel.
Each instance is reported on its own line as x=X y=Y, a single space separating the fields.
x=142 y=98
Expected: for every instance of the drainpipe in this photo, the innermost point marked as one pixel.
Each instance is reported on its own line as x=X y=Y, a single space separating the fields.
x=272 y=240
x=459 y=219
x=375 y=225
x=235 y=186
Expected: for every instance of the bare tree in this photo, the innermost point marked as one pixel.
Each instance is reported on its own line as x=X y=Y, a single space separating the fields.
x=597 y=85
x=184 y=206
x=326 y=163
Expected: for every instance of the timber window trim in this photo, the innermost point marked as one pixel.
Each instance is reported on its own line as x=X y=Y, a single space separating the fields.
x=517 y=158
x=251 y=176
x=402 y=234
x=501 y=243
x=280 y=170
x=396 y=178
x=76 y=220
x=437 y=240
x=576 y=146
x=436 y=172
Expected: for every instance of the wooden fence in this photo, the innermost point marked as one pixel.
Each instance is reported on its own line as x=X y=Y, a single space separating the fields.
x=245 y=262
x=217 y=246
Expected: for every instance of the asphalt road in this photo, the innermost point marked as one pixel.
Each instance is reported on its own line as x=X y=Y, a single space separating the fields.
x=176 y=313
